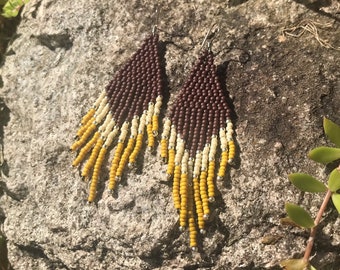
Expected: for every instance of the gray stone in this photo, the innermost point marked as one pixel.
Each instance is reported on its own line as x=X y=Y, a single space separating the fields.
x=64 y=55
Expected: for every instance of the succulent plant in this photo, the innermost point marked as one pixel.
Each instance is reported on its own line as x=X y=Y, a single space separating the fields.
x=11 y=8
x=308 y=183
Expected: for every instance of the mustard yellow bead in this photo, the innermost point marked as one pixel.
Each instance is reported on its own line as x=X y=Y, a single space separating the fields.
x=85 y=149
x=191 y=222
x=119 y=172
x=92 y=195
x=193 y=244
x=231 y=147
x=223 y=164
x=183 y=214
x=186 y=198
x=191 y=219
x=83 y=128
x=221 y=175
x=224 y=160
x=177 y=170
x=151 y=138
x=95 y=176
x=93 y=157
x=112 y=182
x=210 y=179
x=177 y=173
x=155 y=125
x=88 y=116
x=84 y=137
x=201 y=224
x=210 y=186
x=136 y=149
x=125 y=157
x=164 y=149
x=171 y=162
x=177 y=201
x=176 y=189
x=192 y=228
x=183 y=183
x=114 y=165
x=183 y=219
x=205 y=202
x=203 y=193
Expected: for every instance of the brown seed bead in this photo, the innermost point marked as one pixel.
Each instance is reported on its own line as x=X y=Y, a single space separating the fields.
x=132 y=78
x=137 y=83
x=200 y=111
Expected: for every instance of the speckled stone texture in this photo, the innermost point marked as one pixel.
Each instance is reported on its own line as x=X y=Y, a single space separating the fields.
x=63 y=56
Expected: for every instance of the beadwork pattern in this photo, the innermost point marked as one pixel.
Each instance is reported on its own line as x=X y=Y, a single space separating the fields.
x=199 y=122
x=127 y=109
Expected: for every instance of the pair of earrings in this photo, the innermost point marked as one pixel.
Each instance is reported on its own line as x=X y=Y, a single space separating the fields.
x=196 y=132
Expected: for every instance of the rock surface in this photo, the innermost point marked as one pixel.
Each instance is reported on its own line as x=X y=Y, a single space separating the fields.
x=62 y=57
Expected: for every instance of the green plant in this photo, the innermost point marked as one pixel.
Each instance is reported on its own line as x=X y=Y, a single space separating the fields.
x=308 y=183
x=11 y=8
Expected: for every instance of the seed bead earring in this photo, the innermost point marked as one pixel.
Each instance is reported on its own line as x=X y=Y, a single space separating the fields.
x=127 y=109
x=198 y=124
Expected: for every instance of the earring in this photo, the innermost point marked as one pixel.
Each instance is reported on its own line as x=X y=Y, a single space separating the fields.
x=127 y=109
x=199 y=122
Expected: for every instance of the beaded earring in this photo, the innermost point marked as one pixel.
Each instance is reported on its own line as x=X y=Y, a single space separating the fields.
x=199 y=122
x=127 y=109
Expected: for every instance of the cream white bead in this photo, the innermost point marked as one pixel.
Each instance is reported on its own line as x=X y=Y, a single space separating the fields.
x=213 y=147
x=123 y=132
x=150 y=112
x=99 y=100
x=111 y=136
x=205 y=157
x=184 y=163
x=197 y=165
x=172 y=139
x=103 y=127
x=158 y=105
x=101 y=106
x=190 y=166
x=179 y=151
x=134 y=127
x=166 y=128
x=142 y=122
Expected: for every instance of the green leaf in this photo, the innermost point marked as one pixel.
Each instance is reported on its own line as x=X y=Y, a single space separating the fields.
x=294 y=264
x=299 y=215
x=287 y=221
x=12 y=8
x=332 y=130
x=306 y=182
x=336 y=201
x=334 y=180
x=312 y=267
x=324 y=155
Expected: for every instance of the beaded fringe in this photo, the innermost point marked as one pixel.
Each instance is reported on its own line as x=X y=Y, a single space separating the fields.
x=199 y=123
x=128 y=109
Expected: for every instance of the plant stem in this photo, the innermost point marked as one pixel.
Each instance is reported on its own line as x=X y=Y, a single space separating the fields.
x=312 y=235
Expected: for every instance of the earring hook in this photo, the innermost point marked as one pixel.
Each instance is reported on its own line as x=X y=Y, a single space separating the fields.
x=210 y=36
x=154 y=27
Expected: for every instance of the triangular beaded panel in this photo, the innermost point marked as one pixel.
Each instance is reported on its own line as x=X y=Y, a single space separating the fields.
x=199 y=122
x=127 y=109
